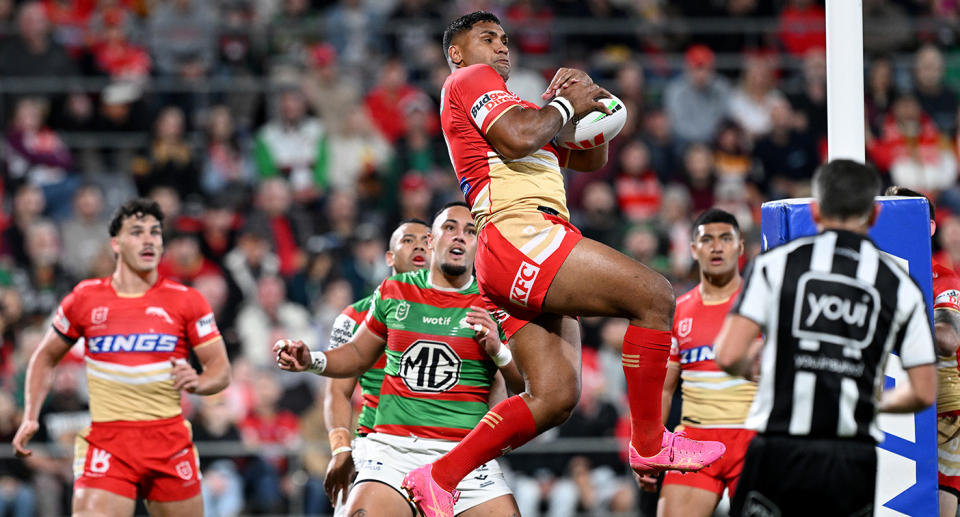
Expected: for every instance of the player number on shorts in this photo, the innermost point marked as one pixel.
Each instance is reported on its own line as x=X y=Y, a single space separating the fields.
x=429 y=367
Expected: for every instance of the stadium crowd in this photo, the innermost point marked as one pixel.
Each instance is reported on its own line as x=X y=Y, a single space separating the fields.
x=284 y=139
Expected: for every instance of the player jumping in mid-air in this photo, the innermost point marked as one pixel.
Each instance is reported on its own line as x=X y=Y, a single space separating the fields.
x=443 y=353
x=715 y=404
x=536 y=266
x=138 y=330
x=409 y=251
x=946 y=338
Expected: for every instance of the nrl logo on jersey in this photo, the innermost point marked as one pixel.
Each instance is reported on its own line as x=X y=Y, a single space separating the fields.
x=99 y=315
x=402 y=311
x=684 y=327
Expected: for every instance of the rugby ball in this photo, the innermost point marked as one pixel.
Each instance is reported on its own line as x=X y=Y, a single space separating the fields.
x=593 y=129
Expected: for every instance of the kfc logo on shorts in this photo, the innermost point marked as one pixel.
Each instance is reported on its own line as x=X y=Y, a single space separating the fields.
x=523 y=283
x=99 y=315
x=684 y=327
x=185 y=470
x=99 y=461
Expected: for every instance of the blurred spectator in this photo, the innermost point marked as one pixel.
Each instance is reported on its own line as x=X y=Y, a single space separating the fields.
x=289 y=224
x=697 y=101
x=526 y=83
x=336 y=295
x=415 y=197
x=239 y=62
x=948 y=236
x=599 y=218
x=17 y=497
x=643 y=244
x=169 y=161
x=418 y=150
x=251 y=259
x=787 y=156
x=85 y=233
x=269 y=317
x=630 y=85
x=365 y=267
x=356 y=153
x=222 y=484
x=43 y=282
x=292 y=26
x=215 y=289
x=637 y=186
x=887 y=26
x=731 y=155
x=77 y=113
x=115 y=55
x=272 y=432
x=32 y=54
x=332 y=92
x=879 y=92
x=411 y=24
x=227 y=163
x=182 y=260
x=218 y=226
x=610 y=363
x=180 y=37
x=530 y=23
x=910 y=147
x=750 y=102
x=802 y=26
x=351 y=27
x=294 y=146
x=391 y=97
x=36 y=154
x=938 y=101
x=811 y=102
x=699 y=176
x=657 y=134
x=675 y=221
x=28 y=205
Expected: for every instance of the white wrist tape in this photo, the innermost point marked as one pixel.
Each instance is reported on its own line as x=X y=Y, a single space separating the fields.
x=318 y=362
x=564 y=107
x=503 y=357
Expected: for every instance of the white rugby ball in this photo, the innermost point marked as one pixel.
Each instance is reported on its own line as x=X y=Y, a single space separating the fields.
x=595 y=128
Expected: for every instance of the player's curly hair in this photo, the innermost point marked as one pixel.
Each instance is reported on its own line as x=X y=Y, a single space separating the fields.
x=139 y=207
x=464 y=24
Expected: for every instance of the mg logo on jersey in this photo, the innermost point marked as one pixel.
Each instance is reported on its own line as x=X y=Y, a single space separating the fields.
x=159 y=312
x=835 y=309
x=523 y=283
x=402 y=310
x=99 y=315
x=99 y=461
x=429 y=367
x=185 y=470
x=684 y=327
x=132 y=343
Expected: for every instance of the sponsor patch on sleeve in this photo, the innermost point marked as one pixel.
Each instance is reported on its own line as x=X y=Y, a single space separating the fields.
x=949 y=299
x=342 y=331
x=61 y=322
x=206 y=326
x=487 y=102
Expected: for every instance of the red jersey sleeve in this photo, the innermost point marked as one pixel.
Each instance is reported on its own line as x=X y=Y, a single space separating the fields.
x=201 y=325
x=483 y=94
x=67 y=319
x=946 y=289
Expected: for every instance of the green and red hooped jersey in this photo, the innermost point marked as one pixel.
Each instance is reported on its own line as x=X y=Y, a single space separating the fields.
x=437 y=379
x=344 y=327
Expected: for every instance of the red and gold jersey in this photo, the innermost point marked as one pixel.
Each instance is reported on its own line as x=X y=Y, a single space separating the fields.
x=946 y=296
x=473 y=99
x=129 y=341
x=711 y=397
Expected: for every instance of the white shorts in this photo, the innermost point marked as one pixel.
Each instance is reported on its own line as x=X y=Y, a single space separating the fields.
x=359 y=446
x=390 y=457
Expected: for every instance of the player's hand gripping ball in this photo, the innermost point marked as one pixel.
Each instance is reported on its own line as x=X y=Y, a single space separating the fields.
x=595 y=128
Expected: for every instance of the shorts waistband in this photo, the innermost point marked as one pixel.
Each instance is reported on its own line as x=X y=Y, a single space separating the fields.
x=549 y=211
x=140 y=423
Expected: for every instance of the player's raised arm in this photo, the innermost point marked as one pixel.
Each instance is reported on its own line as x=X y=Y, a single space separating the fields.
x=349 y=360
x=40 y=375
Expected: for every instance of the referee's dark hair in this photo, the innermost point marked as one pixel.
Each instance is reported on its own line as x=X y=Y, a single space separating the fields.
x=845 y=189
x=140 y=207
x=896 y=190
x=715 y=215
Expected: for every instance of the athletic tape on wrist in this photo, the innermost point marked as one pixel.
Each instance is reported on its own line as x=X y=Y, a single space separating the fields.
x=318 y=362
x=338 y=450
x=564 y=107
x=504 y=356
x=339 y=437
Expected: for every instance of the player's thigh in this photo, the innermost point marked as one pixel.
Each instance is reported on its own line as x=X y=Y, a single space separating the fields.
x=686 y=501
x=191 y=506
x=597 y=280
x=375 y=499
x=948 y=503
x=547 y=351
x=94 y=502
x=503 y=506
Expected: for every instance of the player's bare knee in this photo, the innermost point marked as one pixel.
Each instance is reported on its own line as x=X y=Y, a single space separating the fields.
x=562 y=400
x=654 y=305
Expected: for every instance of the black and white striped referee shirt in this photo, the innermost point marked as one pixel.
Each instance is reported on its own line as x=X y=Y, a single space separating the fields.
x=832 y=307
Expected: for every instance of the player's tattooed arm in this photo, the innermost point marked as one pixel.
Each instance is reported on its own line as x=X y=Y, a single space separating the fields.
x=946 y=331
